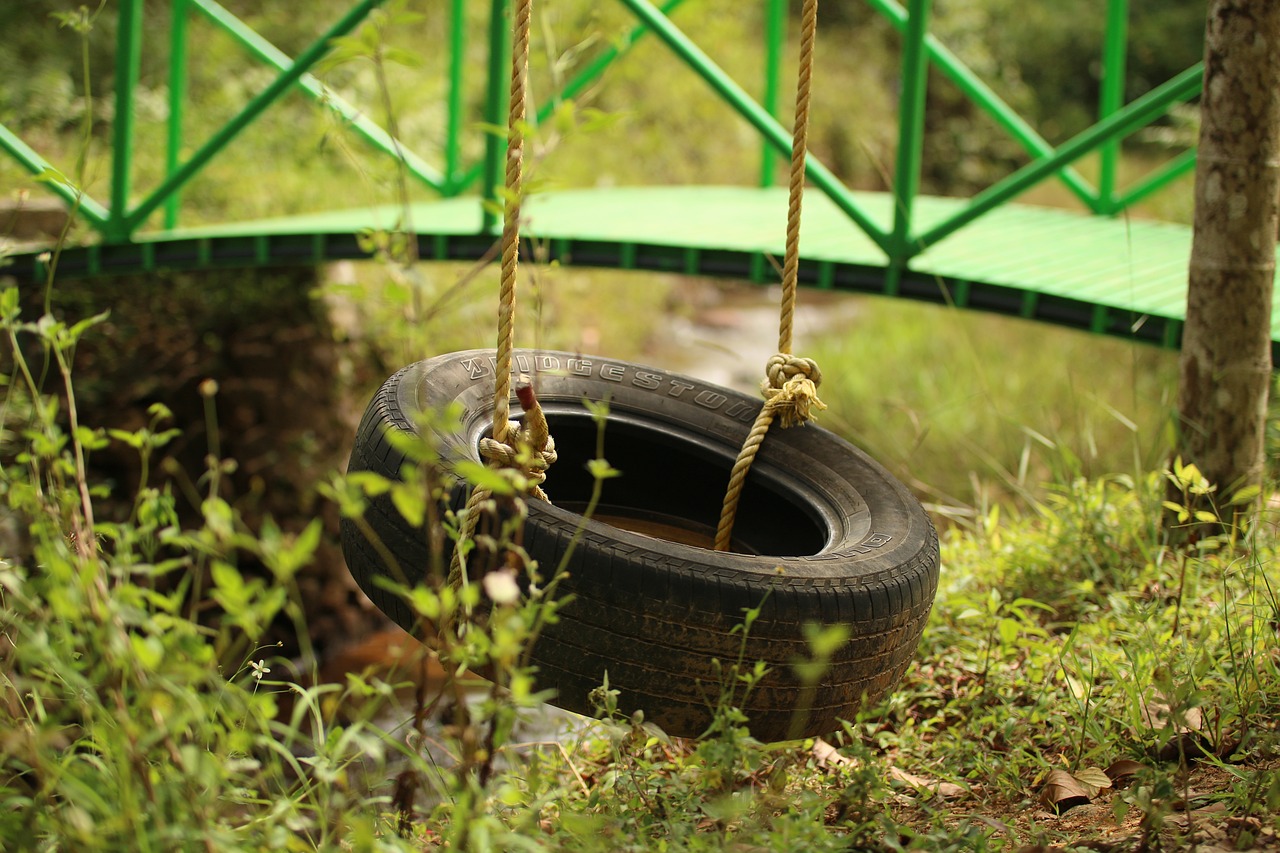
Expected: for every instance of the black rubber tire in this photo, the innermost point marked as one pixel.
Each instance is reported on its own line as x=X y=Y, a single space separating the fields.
x=824 y=535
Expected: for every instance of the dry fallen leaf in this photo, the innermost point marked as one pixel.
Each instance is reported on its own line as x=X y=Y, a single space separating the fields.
x=1157 y=714
x=1062 y=791
x=1123 y=770
x=1093 y=779
x=1209 y=815
x=946 y=790
x=827 y=756
x=1187 y=740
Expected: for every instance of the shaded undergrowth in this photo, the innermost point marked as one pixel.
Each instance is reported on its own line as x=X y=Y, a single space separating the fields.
x=1068 y=647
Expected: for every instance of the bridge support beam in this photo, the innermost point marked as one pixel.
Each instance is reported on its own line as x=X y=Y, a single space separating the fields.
x=128 y=60
x=495 y=113
x=1111 y=99
x=906 y=182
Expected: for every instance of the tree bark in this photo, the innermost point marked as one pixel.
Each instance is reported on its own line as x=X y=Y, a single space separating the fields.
x=1226 y=345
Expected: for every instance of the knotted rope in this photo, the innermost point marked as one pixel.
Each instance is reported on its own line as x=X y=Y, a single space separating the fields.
x=523 y=448
x=530 y=450
x=790 y=386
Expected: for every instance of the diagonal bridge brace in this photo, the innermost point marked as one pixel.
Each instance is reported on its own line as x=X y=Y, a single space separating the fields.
x=985 y=97
x=747 y=107
x=1137 y=114
x=277 y=59
x=305 y=61
x=93 y=212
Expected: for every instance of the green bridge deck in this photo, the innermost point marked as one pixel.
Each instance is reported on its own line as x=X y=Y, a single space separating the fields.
x=1117 y=276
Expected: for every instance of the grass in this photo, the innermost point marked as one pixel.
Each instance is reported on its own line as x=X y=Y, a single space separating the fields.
x=934 y=394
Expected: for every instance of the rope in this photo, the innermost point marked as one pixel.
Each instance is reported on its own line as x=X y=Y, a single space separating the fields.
x=511 y=218
x=525 y=448
x=790 y=386
x=799 y=147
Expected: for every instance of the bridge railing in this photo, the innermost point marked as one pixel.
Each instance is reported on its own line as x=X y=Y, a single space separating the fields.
x=900 y=240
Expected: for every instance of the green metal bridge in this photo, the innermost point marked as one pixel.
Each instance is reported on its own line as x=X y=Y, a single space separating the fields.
x=1101 y=270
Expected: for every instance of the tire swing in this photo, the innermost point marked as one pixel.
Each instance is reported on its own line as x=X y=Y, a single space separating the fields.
x=658 y=581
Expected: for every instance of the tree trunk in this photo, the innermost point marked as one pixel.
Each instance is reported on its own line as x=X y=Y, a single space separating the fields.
x=1226 y=345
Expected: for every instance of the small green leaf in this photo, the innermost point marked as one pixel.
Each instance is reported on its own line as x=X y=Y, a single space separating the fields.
x=1246 y=495
x=90 y=439
x=133 y=439
x=825 y=640
x=50 y=175
x=594 y=120
x=160 y=439
x=87 y=323
x=148 y=650
x=9 y=309
x=227 y=578
x=285 y=559
x=598 y=409
x=400 y=17
x=1022 y=602
x=79 y=20
x=425 y=603
x=400 y=56
x=218 y=516
x=601 y=470
x=160 y=412
x=809 y=671
x=369 y=483
x=564 y=119
x=484 y=477
x=410 y=504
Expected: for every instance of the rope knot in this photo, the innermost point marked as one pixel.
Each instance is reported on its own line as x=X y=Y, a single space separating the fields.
x=526 y=446
x=791 y=388
x=523 y=456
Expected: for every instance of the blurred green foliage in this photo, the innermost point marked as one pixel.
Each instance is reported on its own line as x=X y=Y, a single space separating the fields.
x=1043 y=58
